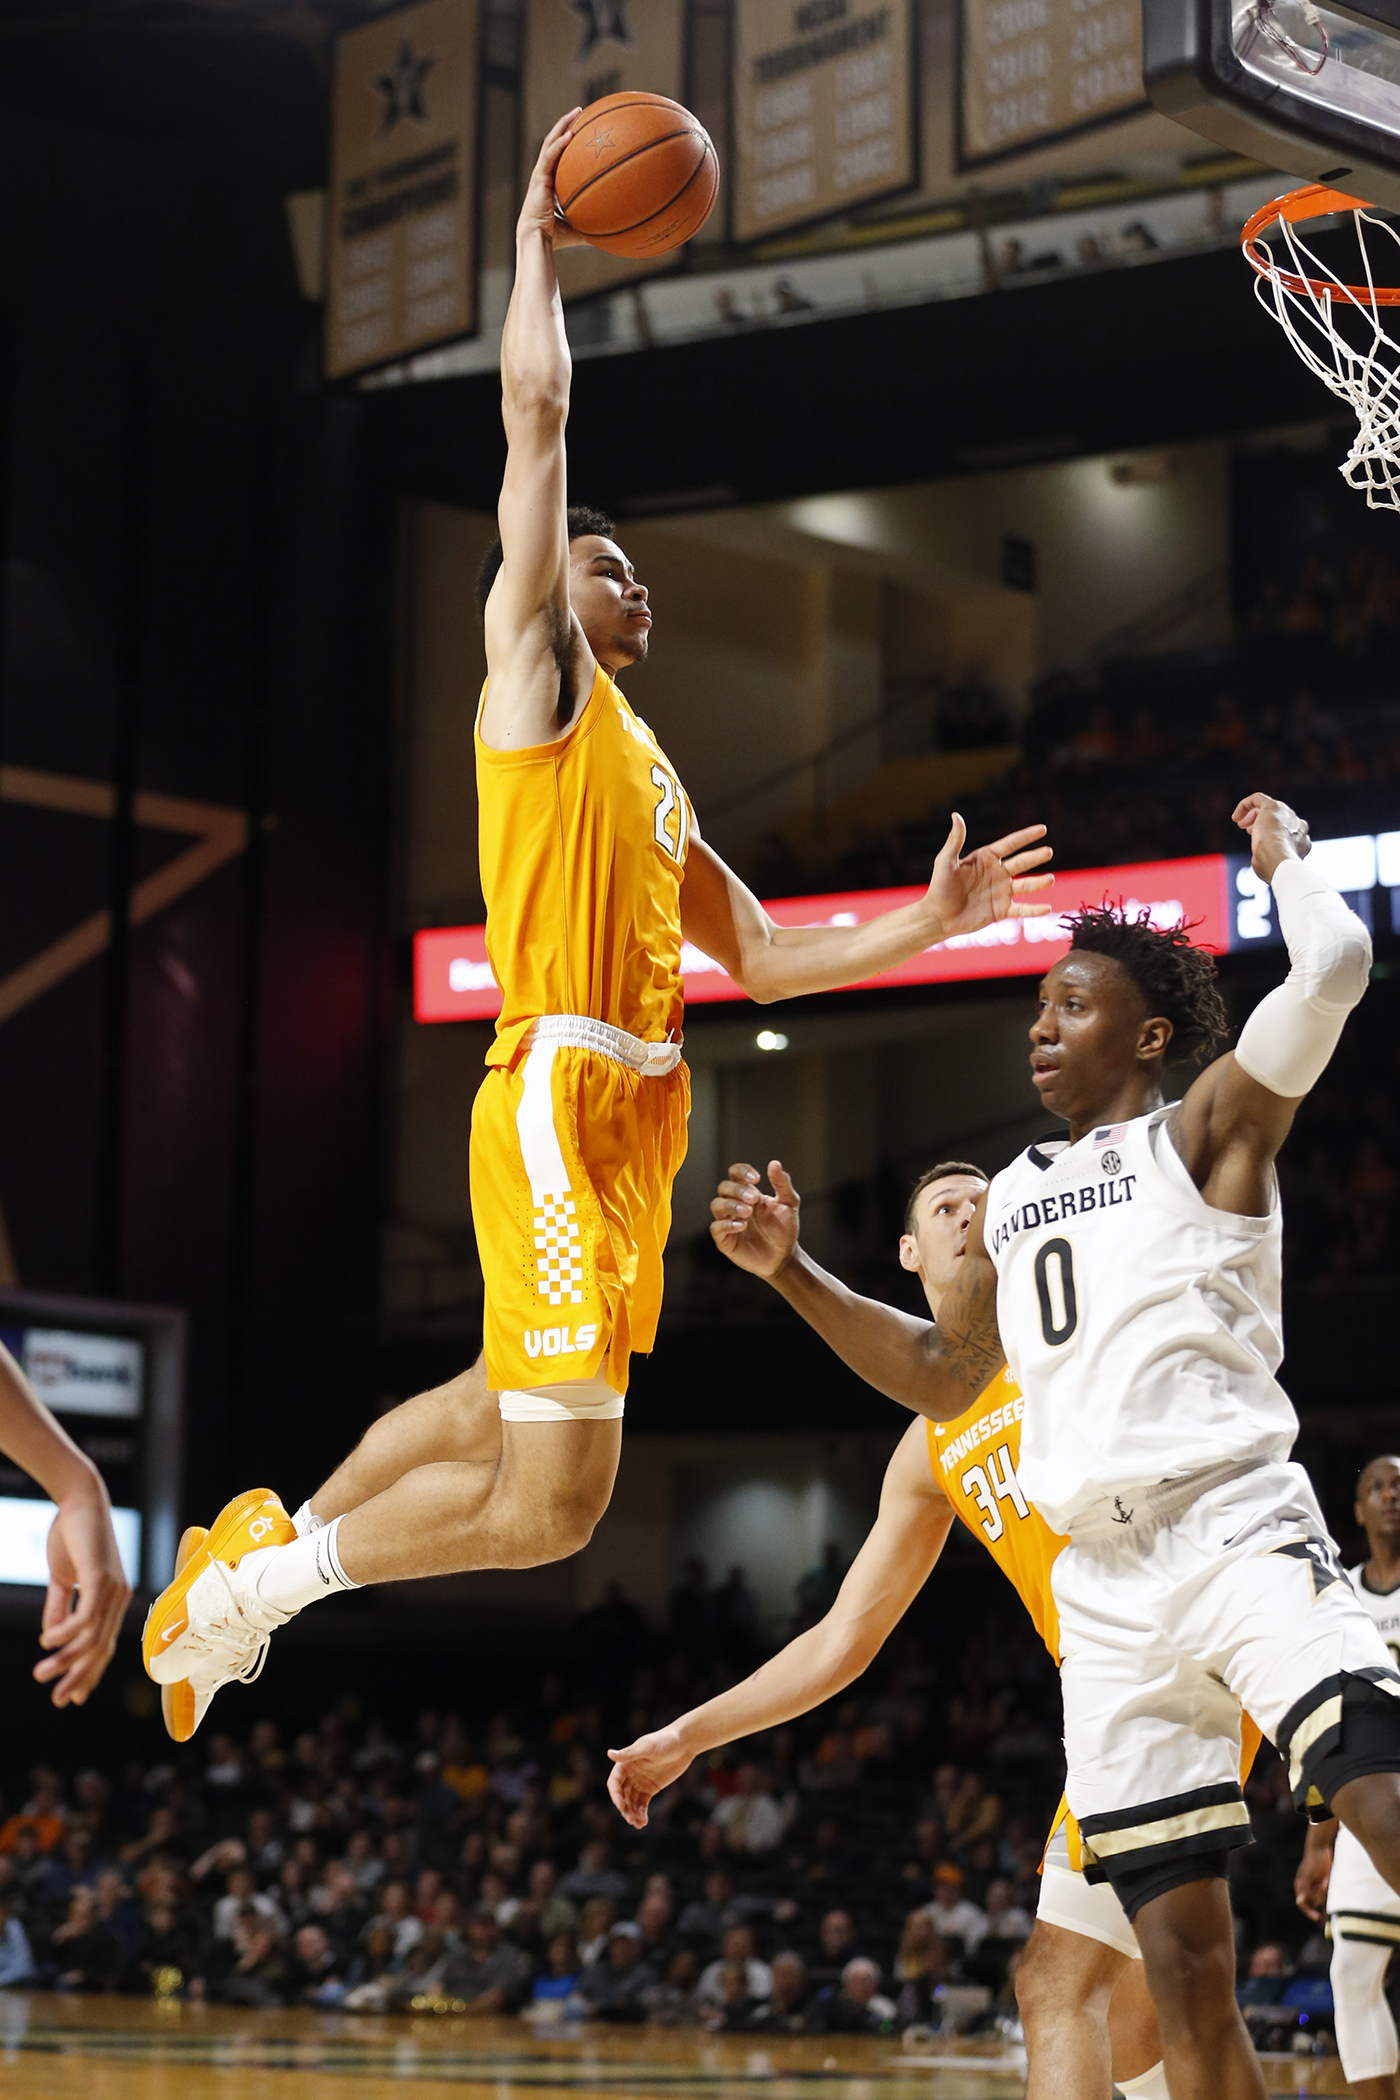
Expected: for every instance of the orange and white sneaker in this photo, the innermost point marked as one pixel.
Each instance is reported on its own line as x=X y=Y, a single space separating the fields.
x=209 y=1628
x=177 y=1701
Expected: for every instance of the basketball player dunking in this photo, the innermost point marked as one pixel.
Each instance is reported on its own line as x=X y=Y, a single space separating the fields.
x=1363 y=1911
x=1131 y=1276
x=1088 y=2018
x=593 y=872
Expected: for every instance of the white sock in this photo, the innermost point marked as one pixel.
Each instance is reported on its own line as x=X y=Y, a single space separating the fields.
x=306 y=1520
x=1150 y=2085
x=295 y=1575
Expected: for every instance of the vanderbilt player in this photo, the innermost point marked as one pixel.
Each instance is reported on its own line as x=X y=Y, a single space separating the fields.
x=594 y=872
x=1080 y=1984
x=1363 y=1911
x=1129 y=1273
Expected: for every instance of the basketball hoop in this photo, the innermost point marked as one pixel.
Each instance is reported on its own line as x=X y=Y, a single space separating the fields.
x=1336 y=328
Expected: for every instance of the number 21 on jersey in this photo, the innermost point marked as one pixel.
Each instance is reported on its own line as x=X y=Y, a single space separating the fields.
x=670 y=798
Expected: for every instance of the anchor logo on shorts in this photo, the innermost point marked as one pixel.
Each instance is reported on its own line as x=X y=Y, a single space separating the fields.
x=1124 y=1516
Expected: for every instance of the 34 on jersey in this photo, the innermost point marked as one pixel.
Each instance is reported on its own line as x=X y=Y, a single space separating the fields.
x=990 y=1493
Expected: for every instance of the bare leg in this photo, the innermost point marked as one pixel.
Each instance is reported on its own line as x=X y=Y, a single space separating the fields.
x=1132 y=2026
x=1188 y=1951
x=1370 y=1808
x=1063 y=1989
x=539 y=1503
x=459 y=1421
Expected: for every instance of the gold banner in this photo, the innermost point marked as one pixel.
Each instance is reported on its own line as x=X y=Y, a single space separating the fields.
x=579 y=51
x=401 y=242
x=823 y=109
x=1034 y=70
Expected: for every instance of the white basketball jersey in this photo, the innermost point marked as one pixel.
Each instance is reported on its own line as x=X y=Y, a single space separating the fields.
x=1383 y=1605
x=1143 y=1327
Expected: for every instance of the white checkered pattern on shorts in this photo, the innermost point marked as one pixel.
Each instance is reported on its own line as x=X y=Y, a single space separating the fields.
x=559 y=1260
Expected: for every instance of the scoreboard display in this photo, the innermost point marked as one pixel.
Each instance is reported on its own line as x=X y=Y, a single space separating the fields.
x=113 y=1374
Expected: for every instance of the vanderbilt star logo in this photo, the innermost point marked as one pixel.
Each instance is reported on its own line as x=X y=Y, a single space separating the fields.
x=600 y=22
x=402 y=87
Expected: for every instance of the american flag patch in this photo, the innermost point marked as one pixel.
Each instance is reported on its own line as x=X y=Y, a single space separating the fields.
x=1111 y=1136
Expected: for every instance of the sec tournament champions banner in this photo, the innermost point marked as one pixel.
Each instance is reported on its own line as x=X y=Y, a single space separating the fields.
x=577 y=51
x=823 y=100
x=402 y=221
x=1034 y=70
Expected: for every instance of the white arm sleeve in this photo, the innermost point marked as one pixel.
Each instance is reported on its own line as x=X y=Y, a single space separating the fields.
x=1290 y=1036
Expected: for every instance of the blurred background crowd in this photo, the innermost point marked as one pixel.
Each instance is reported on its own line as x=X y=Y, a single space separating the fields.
x=870 y=1869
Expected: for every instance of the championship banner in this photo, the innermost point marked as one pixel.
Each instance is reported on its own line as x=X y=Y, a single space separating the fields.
x=1032 y=71
x=577 y=51
x=824 y=114
x=401 y=240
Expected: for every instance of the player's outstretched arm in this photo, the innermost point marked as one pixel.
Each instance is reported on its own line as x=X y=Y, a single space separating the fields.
x=935 y=1370
x=535 y=649
x=966 y=891
x=1237 y=1115
x=881 y=1583
x=83 y=1552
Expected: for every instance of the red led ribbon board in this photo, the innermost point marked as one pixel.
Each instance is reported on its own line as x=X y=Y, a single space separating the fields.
x=452 y=979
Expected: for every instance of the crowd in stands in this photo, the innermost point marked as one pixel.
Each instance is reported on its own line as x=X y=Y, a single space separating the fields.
x=1340 y=1171
x=870 y=1870
x=1146 y=758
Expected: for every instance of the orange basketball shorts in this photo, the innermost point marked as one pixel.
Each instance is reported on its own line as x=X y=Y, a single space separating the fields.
x=572 y=1160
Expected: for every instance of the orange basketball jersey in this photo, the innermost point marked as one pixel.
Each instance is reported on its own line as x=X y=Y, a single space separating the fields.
x=974 y=1461
x=583 y=845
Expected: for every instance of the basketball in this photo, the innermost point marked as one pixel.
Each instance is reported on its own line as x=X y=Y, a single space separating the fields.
x=639 y=175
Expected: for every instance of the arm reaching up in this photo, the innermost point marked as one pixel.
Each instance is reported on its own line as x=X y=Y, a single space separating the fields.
x=1238 y=1113
x=536 y=656
x=966 y=892
x=934 y=1370
x=883 y=1580
x=82 y=1548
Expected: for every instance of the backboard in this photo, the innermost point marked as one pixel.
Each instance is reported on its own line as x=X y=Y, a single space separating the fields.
x=1308 y=88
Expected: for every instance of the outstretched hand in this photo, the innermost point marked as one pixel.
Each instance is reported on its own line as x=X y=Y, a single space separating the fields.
x=642 y=1770
x=1276 y=833
x=81 y=1638
x=969 y=891
x=757 y=1232
x=540 y=212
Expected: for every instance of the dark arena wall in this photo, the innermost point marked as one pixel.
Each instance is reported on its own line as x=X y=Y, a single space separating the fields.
x=198 y=600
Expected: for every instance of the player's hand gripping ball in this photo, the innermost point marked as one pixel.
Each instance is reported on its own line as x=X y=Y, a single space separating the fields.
x=639 y=175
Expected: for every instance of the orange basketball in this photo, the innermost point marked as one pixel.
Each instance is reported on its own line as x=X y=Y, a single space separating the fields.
x=638 y=176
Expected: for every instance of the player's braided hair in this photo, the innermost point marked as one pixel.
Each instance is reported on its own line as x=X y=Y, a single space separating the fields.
x=1175 y=977
x=582 y=520
x=944 y=1171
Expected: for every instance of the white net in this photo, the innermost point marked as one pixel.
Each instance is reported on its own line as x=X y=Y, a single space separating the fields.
x=1340 y=335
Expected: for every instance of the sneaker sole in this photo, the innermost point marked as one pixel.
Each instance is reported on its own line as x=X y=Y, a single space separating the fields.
x=167 y=1617
x=177 y=1705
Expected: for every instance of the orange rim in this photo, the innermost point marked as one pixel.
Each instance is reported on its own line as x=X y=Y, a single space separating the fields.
x=1314 y=201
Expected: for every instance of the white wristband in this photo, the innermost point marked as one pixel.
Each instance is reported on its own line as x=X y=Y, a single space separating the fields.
x=1289 y=1038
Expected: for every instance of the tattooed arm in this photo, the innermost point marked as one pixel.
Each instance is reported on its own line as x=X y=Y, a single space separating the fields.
x=935 y=1370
